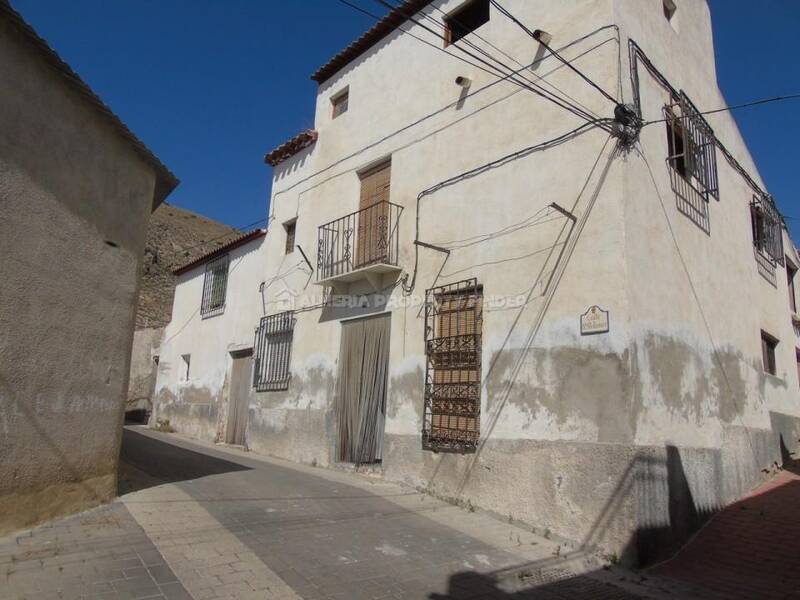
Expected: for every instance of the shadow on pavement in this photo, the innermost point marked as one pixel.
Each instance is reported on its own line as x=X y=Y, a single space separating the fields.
x=542 y=586
x=146 y=462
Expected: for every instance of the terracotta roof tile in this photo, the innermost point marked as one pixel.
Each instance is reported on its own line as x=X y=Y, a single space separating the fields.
x=380 y=30
x=291 y=147
x=218 y=251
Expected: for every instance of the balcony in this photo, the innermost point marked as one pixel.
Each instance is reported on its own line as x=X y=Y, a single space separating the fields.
x=361 y=246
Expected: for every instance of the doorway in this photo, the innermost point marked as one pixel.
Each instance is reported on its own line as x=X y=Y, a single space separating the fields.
x=360 y=401
x=373 y=216
x=239 y=397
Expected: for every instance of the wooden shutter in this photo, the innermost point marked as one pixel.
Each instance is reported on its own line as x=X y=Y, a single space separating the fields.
x=373 y=216
x=453 y=380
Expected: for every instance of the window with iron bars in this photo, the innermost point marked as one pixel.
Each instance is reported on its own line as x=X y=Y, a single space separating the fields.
x=767 y=228
x=692 y=147
x=215 y=285
x=272 y=352
x=453 y=323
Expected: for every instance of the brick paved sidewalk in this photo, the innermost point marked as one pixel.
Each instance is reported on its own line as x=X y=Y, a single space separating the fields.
x=98 y=555
x=749 y=551
x=206 y=523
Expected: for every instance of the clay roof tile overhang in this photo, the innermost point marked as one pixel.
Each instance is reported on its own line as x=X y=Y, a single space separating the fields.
x=380 y=30
x=165 y=179
x=291 y=147
x=241 y=240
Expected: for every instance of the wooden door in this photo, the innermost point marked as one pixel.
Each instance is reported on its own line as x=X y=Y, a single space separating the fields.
x=239 y=398
x=360 y=400
x=372 y=225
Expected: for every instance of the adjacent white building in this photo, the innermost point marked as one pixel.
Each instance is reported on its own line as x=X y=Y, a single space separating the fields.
x=496 y=282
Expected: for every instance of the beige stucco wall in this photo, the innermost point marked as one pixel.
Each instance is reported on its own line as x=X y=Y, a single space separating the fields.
x=197 y=406
x=142 y=384
x=625 y=440
x=74 y=203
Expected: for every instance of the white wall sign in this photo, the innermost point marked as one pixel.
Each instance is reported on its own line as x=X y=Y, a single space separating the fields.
x=594 y=320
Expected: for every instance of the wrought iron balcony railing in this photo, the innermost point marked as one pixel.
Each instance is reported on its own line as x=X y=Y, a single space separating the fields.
x=365 y=238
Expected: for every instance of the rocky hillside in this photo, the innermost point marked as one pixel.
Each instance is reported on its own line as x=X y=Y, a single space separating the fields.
x=175 y=237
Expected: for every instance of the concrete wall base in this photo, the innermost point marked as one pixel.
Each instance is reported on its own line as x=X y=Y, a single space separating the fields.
x=25 y=510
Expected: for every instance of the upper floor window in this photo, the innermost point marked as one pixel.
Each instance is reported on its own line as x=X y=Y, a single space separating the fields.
x=339 y=103
x=768 y=346
x=791 y=271
x=465 y=19
x=670 y=8
x=272 y=352
x=290 y=231
x=214 y=287
x=767 y=231
x=692 y=147
x=187 y=361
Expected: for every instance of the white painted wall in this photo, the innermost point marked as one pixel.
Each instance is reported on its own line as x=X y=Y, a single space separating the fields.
x=576 y=430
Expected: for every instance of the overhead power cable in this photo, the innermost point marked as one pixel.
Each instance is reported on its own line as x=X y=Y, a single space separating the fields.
x=536 y=35
x=242 y=230
x=540 y=80
x=745 y=105
x=424 y=41
x=408 y=288
x=496 y=71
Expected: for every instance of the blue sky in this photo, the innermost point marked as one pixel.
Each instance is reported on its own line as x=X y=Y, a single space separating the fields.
x=211 y=85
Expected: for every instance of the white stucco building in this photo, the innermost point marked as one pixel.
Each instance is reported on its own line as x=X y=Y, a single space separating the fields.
x=478 y=281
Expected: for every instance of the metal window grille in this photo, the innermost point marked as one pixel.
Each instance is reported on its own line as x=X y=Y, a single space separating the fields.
x=273 y=349
x=692 y=146
x=453 y=323
x=767 y=228
x=215 y=284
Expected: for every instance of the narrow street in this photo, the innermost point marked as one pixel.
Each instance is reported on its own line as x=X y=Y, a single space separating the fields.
x=194 y=521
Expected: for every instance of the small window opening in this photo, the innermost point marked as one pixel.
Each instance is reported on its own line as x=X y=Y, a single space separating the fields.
x=767 y=228
x=677 y=147
x=187 y=361
x=669 y=10
x=340 y=103
x=791 y=271
x=768 y=345
x=290 y=231
x=797 y=356
x=692 y=146
x=465 y=19
x=272 y=352
x=215 y=284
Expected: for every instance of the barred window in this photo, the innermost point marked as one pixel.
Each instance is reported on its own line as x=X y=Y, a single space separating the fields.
x=692 y=146
x=453 y=323
x=767 y=229
x=273 y=350
x=214 y=286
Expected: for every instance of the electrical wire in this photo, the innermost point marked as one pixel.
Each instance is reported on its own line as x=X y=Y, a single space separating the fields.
x=430 y=115
x=737 y=106
x=424 y=41
x=533 y=35
x=508 y=56
x=242 y=230
x=477 y=171
x=498 y=70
